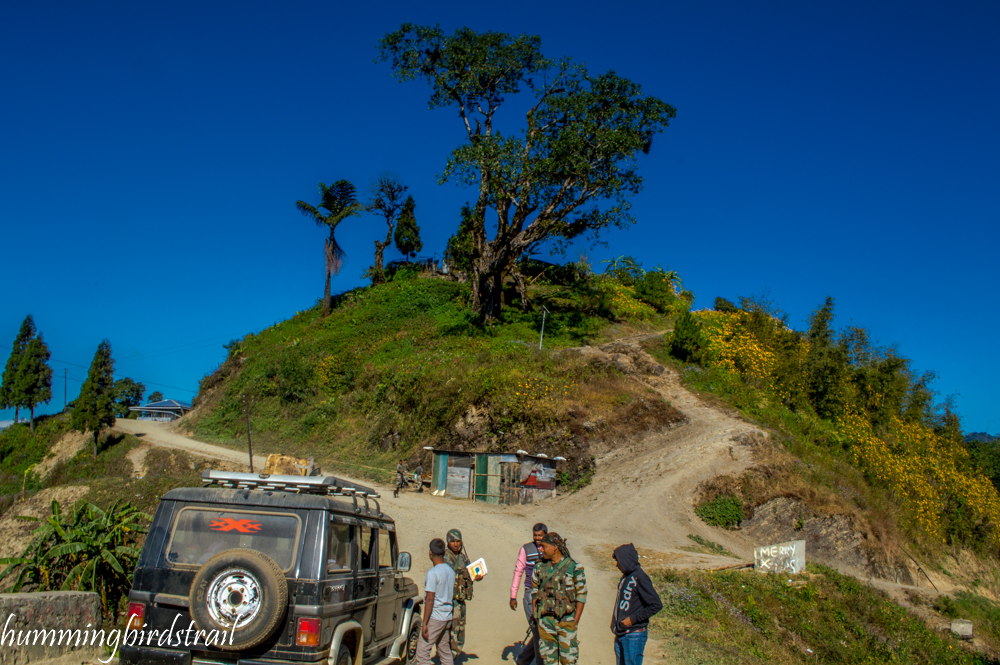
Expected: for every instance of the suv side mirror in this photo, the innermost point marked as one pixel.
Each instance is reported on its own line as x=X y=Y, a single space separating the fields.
x=403 y=563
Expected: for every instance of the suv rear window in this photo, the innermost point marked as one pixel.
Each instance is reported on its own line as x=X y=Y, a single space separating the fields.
x=201 y=533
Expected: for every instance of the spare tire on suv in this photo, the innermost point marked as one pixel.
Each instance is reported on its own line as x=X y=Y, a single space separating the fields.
x=241 y=586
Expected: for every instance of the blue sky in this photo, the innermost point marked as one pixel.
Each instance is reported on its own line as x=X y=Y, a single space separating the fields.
x=151 y=154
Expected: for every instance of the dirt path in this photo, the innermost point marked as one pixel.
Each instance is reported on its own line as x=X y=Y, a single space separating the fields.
x=158 y=434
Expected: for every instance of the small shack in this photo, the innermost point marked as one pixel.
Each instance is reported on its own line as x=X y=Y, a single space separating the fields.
x=166 y=411
x=499 y=478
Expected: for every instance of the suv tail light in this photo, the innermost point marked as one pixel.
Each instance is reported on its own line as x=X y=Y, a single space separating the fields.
x=136 y=615
x=308 y=633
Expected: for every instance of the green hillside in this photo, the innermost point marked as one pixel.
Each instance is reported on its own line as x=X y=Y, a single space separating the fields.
x=403 y=365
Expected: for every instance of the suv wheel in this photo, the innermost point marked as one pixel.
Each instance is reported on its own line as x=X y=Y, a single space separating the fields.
x=344 y=656
x=410 y=648
x=240 y=586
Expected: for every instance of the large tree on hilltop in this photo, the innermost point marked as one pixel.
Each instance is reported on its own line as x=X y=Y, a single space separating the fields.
x=34 y=377
x=8 y=384
x=570 y=171
x=407 y=235
x=94 y=409
x=340 y=202
x=385 y=199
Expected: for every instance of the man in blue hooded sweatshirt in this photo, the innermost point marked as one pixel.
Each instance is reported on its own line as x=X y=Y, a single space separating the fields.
x=637 y=602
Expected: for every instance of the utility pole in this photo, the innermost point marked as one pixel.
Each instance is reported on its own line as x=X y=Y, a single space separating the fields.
x=247 y=405
x=544 y=312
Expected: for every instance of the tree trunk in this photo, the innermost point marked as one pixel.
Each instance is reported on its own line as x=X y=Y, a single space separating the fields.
x=378 y=270
x=17 y=411
x=31 y=423
x=329 y=270
x=491 y=296
x=96 y=433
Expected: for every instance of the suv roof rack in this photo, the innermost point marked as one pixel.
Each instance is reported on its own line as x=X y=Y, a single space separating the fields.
x=325 y=485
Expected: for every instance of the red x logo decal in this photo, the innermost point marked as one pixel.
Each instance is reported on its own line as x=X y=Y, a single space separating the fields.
x=229 y=524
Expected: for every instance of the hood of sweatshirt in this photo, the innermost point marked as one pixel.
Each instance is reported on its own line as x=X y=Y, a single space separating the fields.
x=627 y=558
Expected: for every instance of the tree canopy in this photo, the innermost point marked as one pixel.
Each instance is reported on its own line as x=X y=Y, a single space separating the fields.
x=9 y=397
x=407 y=235
x=33 y=385
x=385 y=199
x=568 y=173
x=127 y=393
x=156 y=396
x=94 y=409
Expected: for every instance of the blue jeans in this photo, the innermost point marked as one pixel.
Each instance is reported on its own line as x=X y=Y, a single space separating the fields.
x=629 y=648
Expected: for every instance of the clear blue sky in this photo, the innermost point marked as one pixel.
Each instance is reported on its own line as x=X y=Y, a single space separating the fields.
x=151 y=154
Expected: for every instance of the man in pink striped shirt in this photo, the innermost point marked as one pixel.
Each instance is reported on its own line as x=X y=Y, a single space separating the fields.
x=528 y=555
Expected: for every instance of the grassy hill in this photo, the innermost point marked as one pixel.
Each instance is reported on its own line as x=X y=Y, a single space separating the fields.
x=403 y=365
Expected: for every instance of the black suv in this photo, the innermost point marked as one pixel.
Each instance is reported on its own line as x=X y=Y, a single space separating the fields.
x=261 y=569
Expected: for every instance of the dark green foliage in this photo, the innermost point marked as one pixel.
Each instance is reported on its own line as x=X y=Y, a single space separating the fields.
x=89 y=549
x=687 y=343
x=570 y=173
x=127 y=393
x=33 y=384
x=723 y=305
x=724 y=511
x=625 y=269
x=9 y=397
x=21 y=449
x=826 y=365
x=407 y=234
x=94 y=409
x=461 y=249
x=156 y=396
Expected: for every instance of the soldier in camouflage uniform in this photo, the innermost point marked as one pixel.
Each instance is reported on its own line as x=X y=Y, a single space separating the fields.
x=456 y=557
x=560 y=591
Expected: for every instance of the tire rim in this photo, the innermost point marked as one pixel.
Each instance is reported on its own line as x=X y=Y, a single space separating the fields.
x=411 y=645
x=234 y=596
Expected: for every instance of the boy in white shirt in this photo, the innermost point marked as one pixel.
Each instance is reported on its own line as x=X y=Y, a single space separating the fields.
x=439 y=586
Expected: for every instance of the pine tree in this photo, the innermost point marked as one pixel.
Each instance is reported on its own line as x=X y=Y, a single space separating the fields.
x=407 y=234
x=34 y=377
x=461 y=249
x=94 y=408
x=8 y=391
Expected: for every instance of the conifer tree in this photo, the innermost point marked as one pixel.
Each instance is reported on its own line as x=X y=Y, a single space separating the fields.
x=8 y=393
x=94 y=408
x=407 y=235
x=34 y=377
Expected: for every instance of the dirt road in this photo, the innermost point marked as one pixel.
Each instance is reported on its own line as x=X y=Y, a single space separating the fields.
x=159 y=434
x=643 y=493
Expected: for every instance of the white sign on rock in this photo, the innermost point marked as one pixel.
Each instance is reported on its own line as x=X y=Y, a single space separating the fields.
x=781 y=558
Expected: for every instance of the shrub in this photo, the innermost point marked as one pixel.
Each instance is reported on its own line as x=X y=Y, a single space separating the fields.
x=724 y=511
x=687 y=343
x=88 y=550
x=723 y=305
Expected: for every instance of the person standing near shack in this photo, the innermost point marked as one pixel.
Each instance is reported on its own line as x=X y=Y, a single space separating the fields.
x=459 y=562
x=637 y=601
x=419 y=476
x=559 y=590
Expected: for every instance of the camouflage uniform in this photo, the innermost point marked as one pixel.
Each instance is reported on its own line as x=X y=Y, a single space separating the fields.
x=463 y=593
x=558 y=588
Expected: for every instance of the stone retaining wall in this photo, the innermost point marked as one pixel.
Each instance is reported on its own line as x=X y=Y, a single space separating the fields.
x=69 y=617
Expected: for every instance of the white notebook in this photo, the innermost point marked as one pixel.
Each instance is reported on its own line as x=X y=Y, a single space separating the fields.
x=477 y=568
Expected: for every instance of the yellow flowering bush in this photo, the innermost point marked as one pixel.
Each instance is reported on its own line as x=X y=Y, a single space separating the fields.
x=623 y=300
x=922 y=469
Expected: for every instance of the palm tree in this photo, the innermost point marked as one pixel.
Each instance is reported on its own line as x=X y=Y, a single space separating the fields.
x=340 y=202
